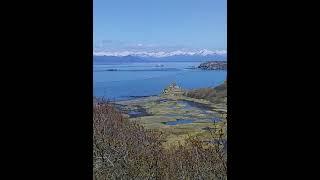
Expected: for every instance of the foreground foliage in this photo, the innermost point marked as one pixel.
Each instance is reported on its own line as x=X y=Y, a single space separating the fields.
x=125 y=150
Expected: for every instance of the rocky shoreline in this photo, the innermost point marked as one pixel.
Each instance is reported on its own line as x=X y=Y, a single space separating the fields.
x=213 y=65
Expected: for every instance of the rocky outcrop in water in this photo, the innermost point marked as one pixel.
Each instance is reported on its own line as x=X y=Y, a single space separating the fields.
x=213 y=65
x=173 y=89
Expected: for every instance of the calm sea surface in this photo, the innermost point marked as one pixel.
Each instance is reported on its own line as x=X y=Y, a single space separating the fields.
x=117 y=81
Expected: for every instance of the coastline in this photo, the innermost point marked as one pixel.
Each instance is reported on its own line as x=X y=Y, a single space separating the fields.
x=175 y=114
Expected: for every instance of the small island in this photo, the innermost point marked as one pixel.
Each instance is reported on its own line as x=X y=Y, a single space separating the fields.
x=213 y=65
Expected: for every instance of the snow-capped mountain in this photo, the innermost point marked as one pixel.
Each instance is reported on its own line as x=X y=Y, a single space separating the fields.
x=168 y=56
x=161 y=54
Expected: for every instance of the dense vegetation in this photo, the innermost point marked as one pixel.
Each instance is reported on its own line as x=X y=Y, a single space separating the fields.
x=125 y=150
x=217 y=94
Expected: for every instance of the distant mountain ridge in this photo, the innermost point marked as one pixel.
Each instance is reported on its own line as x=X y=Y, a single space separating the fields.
x=159 y=54
x=116 y=59
x=130 y=56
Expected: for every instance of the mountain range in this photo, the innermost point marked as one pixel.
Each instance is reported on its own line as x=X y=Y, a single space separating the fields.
x=143 y=56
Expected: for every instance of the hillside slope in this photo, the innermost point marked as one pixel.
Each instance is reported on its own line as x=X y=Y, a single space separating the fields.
x=216 y=95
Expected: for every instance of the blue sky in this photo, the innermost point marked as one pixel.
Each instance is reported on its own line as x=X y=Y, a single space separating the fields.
x=160 y=23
